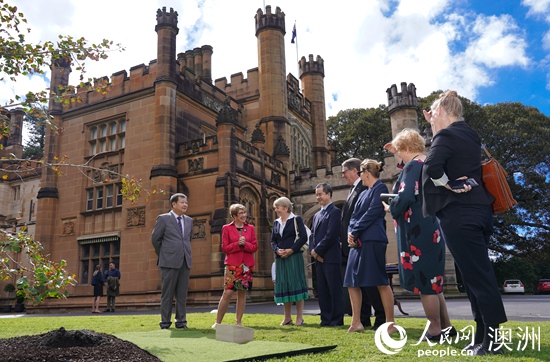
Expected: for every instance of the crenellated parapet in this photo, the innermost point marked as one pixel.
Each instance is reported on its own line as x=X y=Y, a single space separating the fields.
x=167 y=19
x=311 y=66
x=141 y=77
x=270 y=20
x=404 y=99
x=240 y=87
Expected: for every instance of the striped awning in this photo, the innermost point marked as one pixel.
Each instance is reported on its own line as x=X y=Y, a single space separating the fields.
x=99 y=238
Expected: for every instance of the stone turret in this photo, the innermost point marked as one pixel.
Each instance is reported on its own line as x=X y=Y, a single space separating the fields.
x=402 y=107
x=312 y=74
x=167 y=29
x=164 y=173
x=199 y=60
x=15 y=142
x=270 y=32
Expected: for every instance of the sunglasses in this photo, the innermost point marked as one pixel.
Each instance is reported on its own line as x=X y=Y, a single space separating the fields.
x=360 y=172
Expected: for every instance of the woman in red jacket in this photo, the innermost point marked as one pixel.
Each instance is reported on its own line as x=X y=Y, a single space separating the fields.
x=239 y=244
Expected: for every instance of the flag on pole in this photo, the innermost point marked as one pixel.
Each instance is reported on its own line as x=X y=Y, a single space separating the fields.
x=293 y=34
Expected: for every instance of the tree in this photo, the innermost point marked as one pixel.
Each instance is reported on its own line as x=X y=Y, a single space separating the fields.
x=22 y=58
x=360 y=133
x=36 y=126
x=41 y=278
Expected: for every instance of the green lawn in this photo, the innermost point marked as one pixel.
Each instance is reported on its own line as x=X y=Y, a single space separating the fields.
x=351 y=347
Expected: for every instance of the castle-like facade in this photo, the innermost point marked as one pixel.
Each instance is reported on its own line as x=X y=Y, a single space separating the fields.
x=171 y=127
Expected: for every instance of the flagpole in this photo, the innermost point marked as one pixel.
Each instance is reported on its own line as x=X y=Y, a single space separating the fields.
x=297 y=60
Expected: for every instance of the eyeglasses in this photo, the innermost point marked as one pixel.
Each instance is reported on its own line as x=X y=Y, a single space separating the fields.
x=360 y=172
x=344 y=171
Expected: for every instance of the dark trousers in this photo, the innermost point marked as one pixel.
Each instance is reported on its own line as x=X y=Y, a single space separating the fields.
x=467 y=230
x=330 y=294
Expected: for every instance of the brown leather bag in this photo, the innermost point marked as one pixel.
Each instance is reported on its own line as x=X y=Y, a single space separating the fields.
x=494 y=178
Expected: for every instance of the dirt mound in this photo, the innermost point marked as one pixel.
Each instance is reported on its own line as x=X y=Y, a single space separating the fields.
x=71 y=346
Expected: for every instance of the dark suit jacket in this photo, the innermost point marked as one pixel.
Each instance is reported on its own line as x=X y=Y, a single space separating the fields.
x=455 y=151
x=325 y=235
x=367 y=221
x=171 y=247
x=347 y=211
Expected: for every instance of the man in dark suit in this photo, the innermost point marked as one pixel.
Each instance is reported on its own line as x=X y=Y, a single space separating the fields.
x=172 y=242
x=325 y=249
x=370 y=295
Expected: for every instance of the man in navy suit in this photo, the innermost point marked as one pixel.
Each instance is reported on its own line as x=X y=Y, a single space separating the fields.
x=325 y=249
x=171 y=239
x=371 y=295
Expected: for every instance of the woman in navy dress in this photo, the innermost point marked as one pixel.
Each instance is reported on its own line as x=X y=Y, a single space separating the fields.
x=98 y=282
x=368 y=243
x=419 y=241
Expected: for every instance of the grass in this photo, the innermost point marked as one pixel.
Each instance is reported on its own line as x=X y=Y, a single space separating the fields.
x=351 y=347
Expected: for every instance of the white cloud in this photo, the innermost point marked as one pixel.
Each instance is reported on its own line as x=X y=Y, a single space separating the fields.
x=537 y=7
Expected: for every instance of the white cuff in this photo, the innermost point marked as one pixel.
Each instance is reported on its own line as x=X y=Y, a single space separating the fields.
x=442 y=181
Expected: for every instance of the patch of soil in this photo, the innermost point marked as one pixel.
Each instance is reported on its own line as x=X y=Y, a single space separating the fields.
x=71 y=346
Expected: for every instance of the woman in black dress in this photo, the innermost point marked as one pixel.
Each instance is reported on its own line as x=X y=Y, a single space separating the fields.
x=419 y=242
x=97 y=281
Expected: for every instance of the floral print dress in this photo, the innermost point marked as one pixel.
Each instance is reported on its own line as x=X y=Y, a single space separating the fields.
x=419 y=240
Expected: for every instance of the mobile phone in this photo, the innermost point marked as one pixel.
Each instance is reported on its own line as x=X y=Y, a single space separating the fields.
x=459 y=184
x=387 y=198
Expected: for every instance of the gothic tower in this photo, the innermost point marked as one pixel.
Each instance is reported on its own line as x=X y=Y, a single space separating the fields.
x=48 y=195
x=312 y=74
x=402 y=107
x=270 y=32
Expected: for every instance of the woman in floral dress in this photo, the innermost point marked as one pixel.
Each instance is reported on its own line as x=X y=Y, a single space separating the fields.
x=420 y=245
x=239 y=244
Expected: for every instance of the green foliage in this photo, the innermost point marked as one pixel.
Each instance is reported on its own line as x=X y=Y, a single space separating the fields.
x=35 y=121
x=9 y=288
x=42 y=278
x=22 y=58
x=516 y=268
x=360 y=133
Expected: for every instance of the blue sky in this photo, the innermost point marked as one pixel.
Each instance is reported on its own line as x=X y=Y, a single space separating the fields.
x=489 y=51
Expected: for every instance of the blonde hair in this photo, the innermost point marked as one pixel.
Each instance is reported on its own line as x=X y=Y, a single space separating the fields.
x=450 y=102
x=235 y=208
x=409 y=139
x=97 y=269
x=284 y=202
x=373 y=167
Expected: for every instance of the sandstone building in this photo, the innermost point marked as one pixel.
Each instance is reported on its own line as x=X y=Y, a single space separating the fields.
x=173 y=128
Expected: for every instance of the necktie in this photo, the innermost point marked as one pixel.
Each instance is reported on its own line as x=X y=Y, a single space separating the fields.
x=180 y=225
x=351 y=191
